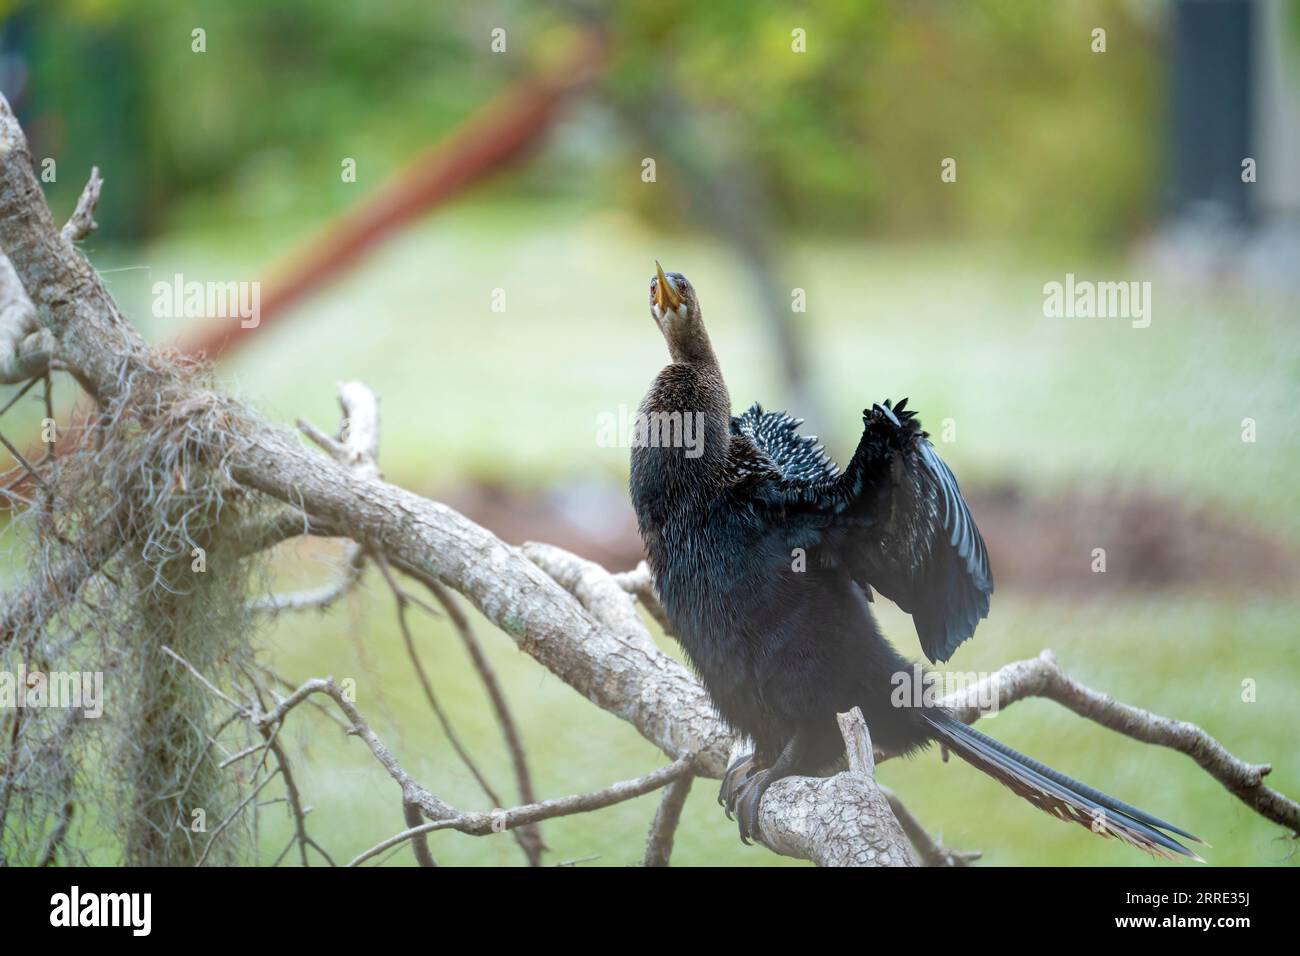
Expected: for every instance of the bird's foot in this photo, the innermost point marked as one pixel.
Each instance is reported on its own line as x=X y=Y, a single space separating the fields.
x=748 y=797
x=736 y=774
x=747 y=780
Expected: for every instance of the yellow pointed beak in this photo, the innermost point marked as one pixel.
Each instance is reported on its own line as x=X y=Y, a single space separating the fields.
x=666 y=296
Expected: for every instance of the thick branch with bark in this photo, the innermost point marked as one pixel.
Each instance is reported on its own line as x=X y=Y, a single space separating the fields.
x=570 y=615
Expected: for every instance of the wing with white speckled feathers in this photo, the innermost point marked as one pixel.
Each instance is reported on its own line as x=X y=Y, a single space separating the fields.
x=895 y=517
x=799 y=459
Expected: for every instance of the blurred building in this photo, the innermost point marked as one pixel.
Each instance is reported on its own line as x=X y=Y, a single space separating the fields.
x=1235 y=96
x=1232 y=196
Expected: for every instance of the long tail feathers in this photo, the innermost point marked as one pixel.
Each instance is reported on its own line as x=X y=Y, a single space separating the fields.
x=1058 y=794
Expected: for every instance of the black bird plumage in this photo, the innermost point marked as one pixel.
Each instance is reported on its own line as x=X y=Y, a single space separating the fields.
x=766 y=556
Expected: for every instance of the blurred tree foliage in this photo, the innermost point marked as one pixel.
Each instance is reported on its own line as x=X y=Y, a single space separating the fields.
x=258 y=125
x=851 y=133
x=847 y=136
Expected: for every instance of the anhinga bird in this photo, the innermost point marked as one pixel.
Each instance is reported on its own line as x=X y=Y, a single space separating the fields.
x=783 y=645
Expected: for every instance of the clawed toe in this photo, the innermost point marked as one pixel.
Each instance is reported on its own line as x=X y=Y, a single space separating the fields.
x=732 y=780
x=748 y=797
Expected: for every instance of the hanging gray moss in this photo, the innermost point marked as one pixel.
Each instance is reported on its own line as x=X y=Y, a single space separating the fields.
x=151 y=485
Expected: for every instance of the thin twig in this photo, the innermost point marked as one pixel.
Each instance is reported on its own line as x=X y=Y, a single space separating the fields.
x=659 y=842
x=236 y=757
x=500 y=706
x=295 y=802
x=13 y=400
x=483 y=824
x=319 y=598
x=419 y=844
x=401 y=597
x=18 y=457
x=230 y=818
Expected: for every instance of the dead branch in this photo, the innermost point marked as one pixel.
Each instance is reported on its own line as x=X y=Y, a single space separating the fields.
x=420 y=842
x=443 y=816
x=82 y=223
x=1042 y=676
x=500 y=706
x=844 y=820
x=659 y=842
x=357 y=448
x=531 y=851
x=483 y=824
x=303 y=838
x=320 y=598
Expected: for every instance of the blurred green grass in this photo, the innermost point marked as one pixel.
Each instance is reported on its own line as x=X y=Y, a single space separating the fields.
x=468 y=393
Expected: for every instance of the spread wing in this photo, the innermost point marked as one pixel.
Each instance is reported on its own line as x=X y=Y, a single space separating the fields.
x=798 y=459
x=895 y=517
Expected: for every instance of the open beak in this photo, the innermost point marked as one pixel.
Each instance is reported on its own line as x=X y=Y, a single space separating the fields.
x=666 y=296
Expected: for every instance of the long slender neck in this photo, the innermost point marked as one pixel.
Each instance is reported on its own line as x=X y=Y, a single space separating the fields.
x=679 y=459
x=693 y=384
x=695 y=349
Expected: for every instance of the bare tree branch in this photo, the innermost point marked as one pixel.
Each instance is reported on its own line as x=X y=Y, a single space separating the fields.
x=529 y=833
x=484 y=824
x=1042 y=676
x=319 y=598
x=414 y=795
x=295 y=801
x=420 y=842
x=399 y=595
x=82 y=223
x=659 y=842
x=358 y=449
